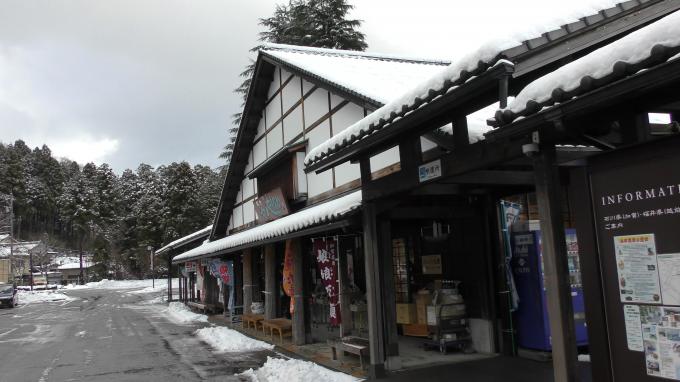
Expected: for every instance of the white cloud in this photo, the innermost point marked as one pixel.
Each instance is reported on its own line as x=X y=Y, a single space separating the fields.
x=85 y=149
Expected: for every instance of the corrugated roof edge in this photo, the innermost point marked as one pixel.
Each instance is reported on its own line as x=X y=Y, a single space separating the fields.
x=358 y=54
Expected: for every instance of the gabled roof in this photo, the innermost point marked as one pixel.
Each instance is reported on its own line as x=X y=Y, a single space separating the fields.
x=198 y=235
x=541 y=55
x=376 y=78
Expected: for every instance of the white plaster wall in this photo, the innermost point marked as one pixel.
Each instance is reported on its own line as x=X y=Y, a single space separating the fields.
x=248 y=212
x=319 y=183
x=319 y=134
x=247 y=188
x=316 y=106
x=292 y=124
x=276 y=83
x=273 y=110
x=238 y=216
x=385 y=159
x=335 y=100
x=259 y=152
x=292 y=93
x=274 y=140
x=306 y=86
x=347 y=116
x=426 y=144
x=261 y=127
x=346 y=173
x=249 y=164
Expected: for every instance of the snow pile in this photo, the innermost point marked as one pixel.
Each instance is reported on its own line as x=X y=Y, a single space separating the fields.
x=229 y=340
x=161 y=286
x=123 y=284
x=317 y=214
x=42 y=296
x=631 y=49
x=179 y=313
x=284 y=370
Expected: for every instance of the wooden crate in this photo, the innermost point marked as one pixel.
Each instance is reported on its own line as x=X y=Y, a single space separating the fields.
x=415 y=330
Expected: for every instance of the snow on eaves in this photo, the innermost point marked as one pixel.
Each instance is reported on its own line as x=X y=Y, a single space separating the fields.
x=641 y=49
x=318 y=214
x=377 y=77
x=186 y=239
x=446 y=80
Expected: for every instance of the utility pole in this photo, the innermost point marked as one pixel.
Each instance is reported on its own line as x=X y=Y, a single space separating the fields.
x=153 y=276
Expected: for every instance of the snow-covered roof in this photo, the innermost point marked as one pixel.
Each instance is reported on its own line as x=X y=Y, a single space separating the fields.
x=186 y=239
x=3 y=237
x=318 y=214
x=378 y=77
x=641 y=49
x=18 y=249
x=66 y=266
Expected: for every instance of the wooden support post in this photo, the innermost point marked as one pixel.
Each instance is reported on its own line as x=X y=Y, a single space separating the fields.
x=461 y=137
x=170 y=276
x=298 y=294
x=247 y=280
x=179 y=284
x=373 y=291
x=556 y=269
x=270 y=292
x=389 y=305
x=345 y=290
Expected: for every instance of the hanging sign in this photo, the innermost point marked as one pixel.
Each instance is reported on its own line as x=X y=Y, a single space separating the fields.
x=430 y=170
x=271 y=206
x=288 y=282
x=190 y=266
x=223 y=271
x=326 y=254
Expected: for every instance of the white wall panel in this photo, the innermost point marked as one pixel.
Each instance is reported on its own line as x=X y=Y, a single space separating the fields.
x=316 y=106
x=346 y=117
x=291 y=94
x=238 y=216
x=239 y=196
x=426 y=144
x=335 y=100
x=276 y=83
x=248 y=212
x=247 y=188
x=249 y=164
x=306 y=86
x=259 y=152
x=273 y=110
x=346 y=173
x=274 y=140
x=385 y=159
x=292 y=124
x=319 y=183
x=261 y=127
x=319 y=134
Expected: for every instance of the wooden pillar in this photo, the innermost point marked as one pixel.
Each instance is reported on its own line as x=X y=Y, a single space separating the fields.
x=389 y=304
x=270 y=292
x=373 y=291
x=298 y=294
x=345 y=289
x=556 y=269
x=247 y=280
x=179 y=286
x=169 y=276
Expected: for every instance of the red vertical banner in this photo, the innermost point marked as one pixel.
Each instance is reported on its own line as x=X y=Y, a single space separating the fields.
x=287 y=282
x=326 y=254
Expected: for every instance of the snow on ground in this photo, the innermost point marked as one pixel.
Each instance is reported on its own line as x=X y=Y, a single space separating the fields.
x=42 y=296
x=125 y=284
x=284 y=370
x=179 y=313
x=229 y=340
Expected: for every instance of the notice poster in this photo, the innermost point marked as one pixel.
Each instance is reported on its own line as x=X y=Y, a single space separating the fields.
x=631 y=313
x=636 y=263
x=669 y=277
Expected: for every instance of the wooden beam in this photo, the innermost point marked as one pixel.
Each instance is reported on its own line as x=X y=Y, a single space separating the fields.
x=374 y=298
x=298 y=293
x=270 y=292
x=461 y=136
x=556 y=268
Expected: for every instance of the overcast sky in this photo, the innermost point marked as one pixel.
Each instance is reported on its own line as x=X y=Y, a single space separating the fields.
x=151 y=81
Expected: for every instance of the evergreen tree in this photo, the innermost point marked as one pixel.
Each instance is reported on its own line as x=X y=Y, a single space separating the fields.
x=317 y=23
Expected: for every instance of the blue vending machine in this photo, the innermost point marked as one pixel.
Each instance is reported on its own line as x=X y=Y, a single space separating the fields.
x=531 y=316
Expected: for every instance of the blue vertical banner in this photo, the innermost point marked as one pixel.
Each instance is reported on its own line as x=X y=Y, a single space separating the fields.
x=223 y=271
x=509 y=215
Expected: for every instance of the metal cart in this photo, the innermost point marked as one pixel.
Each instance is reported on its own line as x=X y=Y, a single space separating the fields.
x=451 y=331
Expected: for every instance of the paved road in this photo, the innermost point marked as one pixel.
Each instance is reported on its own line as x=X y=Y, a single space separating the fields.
x=108 y=335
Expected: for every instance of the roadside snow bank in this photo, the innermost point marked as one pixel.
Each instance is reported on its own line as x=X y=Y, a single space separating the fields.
x=284 y=370
x=228 y=340
x=179 y=313
x=42 y=296
x=125 y=284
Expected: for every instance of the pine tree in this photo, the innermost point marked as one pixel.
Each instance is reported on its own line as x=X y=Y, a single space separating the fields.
x=317 y=23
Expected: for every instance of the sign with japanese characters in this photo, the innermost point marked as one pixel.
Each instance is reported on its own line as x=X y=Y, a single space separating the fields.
x=430 y=170
x=190 y=266
x=637 y=268
x=326 y=254
x=271 y=206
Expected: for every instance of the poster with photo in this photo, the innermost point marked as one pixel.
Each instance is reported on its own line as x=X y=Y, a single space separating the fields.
x=668 y=348
x=636 y=264
x=669 y=277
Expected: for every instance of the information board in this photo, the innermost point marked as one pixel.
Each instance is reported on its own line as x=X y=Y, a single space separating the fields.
x=636 y=200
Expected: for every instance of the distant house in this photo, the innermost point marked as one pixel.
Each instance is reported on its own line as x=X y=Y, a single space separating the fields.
x=18 y=254
x=70 y=272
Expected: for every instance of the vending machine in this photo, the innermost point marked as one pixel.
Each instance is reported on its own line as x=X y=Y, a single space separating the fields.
x=531 y=316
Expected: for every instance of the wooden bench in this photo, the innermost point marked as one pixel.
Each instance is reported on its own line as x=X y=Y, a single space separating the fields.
x=282 y=325
x=250 y=318
x=350 y=344
x=205 y=308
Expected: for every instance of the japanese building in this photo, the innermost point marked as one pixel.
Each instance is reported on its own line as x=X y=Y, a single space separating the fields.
x=411 y=191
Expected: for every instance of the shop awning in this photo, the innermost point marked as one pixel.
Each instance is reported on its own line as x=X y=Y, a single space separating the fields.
x=186 y=239
x=320 y=215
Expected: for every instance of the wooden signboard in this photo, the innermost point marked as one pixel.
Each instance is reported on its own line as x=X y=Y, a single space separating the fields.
x=271 y=206
x=636 y=201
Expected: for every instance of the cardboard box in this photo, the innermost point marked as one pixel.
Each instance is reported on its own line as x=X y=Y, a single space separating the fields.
x=422 y=301
x=406 y=313
x=415 y=330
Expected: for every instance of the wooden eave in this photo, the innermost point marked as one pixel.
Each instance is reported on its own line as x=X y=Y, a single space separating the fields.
x=283 y=154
